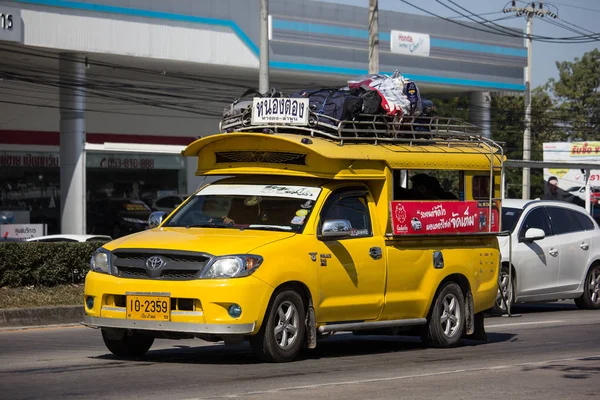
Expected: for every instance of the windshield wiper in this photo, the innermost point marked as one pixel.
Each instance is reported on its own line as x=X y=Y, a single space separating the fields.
x=205 y=225
x=271 y=227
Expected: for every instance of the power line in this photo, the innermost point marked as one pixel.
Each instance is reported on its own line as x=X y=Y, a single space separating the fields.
x=515 y=34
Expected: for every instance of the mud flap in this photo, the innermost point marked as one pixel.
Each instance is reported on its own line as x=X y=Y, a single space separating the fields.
x=311 y=327
x=474 y=323
x=469 y=317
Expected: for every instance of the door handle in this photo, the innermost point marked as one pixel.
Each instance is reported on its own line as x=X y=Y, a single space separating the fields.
x=553 y=252
x=375 y=253
x=584 y=246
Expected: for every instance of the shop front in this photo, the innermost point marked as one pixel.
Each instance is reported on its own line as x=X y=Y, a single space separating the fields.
x=30 y=187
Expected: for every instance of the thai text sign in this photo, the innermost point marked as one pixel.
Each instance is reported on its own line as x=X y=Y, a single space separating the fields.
x=279 y=110
x=22 y=231
x=442 y=217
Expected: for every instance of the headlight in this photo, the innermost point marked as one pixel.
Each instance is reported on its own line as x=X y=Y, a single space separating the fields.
x=100 y=261
x=232 y=266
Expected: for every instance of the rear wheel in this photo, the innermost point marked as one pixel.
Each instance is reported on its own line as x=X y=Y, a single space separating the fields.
x=446 y=322
x=281 y=336
x=129 y=345
x=590 y=299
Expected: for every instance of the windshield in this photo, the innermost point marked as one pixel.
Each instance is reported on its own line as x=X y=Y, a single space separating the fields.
x=510 y=217
x=260 y=207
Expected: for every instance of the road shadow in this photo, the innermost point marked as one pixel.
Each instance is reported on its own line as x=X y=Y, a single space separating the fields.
x=584 y=369
x=336 y=346
x=539 y=308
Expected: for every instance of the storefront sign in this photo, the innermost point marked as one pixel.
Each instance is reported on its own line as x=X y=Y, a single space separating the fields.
x=134 y=161
x=94 y=160
x=22 y=231
x=11 y=29
x=575 y=152
x=409 y=43
x=36 y=160
x=442 y=217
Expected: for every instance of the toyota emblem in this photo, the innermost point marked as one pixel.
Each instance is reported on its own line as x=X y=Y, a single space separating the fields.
x=155 y=262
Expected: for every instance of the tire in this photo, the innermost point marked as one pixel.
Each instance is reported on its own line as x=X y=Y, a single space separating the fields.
x=446 y=321
x=282 y=334
x=129 y=346
x=590 y=299
x=499 y=306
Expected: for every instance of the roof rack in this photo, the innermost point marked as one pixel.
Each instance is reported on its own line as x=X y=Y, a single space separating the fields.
x=372 y=128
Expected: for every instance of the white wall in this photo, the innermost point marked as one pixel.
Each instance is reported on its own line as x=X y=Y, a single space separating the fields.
x=132 y=36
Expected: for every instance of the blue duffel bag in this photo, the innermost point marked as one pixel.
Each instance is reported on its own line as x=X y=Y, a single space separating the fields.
x=335 y=103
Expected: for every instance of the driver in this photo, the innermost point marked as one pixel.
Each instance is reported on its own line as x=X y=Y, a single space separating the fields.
x=213 y=209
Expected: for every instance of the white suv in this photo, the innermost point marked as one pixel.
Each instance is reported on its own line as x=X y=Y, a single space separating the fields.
x=555 y=254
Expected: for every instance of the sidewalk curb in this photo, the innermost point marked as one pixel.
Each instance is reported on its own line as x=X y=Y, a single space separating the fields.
x=40 y=316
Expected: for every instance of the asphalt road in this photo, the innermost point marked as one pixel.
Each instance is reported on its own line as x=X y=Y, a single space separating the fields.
x=549 y=352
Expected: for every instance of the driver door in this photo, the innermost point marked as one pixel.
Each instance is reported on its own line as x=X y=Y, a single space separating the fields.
x=351 y=269
x=537 y=262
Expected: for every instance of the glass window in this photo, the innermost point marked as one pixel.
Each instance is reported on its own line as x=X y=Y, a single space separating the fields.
x=563 y=220
x=260 y=207
x=481 y=187
x=169 y=202
x=510 y=217
x=537 y=218
x=584 y=220
x=350 y=205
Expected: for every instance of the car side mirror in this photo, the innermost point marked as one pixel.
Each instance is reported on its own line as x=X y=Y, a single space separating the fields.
x=534 y=234
x=336 y=228
x=156 y=219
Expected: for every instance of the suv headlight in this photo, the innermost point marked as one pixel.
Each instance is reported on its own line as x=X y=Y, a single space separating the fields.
x=100 y=261
x=232 y=266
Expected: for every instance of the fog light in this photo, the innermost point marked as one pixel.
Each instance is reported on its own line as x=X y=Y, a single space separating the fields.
x=89 y=302
x=235 y=311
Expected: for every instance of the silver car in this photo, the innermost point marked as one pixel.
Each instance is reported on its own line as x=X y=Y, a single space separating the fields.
x=555 y=254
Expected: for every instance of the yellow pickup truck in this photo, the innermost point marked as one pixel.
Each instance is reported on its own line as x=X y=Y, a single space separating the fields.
x=313 y=231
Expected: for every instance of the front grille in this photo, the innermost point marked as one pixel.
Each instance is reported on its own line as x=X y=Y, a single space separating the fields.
x=131 y=263
x=173 y=257
x=129 y=272
x=179 y=274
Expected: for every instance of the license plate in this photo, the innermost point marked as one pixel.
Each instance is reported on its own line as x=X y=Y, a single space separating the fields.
x=279 y=110
x=154 y=308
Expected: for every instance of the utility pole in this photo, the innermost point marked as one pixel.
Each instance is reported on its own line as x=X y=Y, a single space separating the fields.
x=529 y=11
x=263 y=72
x=373 y=36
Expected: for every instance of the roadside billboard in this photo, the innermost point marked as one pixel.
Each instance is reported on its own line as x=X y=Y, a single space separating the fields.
x=571 y=182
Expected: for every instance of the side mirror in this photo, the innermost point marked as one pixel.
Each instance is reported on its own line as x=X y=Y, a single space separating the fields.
x=336 y=228
x=156 y=219
x=534 y=234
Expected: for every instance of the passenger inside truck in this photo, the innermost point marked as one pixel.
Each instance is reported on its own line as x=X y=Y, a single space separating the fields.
x=423 y=187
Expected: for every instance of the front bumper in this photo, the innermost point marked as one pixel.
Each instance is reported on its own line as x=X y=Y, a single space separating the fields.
x=212 y=329
x=198 y=306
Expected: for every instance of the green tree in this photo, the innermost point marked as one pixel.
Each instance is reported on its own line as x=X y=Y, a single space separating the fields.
x=577 y=92
x=508 y=121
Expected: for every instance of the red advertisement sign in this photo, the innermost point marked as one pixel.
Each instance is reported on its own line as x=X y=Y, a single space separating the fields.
x=442 y=217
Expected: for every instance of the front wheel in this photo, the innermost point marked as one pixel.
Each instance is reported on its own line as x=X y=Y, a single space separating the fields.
x=505 y=291
x=590 y=299
x=281 y=337
x=129 y=345
x=446 y=322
